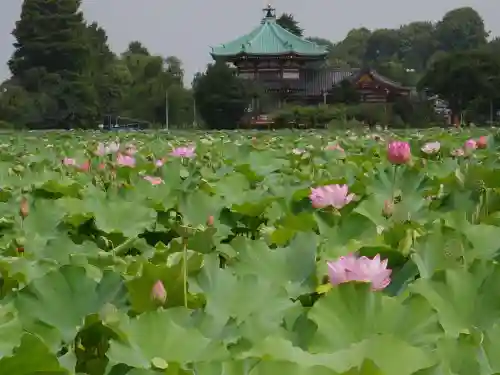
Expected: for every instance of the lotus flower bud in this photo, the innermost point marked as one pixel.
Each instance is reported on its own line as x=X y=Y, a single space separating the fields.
x=24 y=208
x=158 y=292
x=482 y=142
x=210 y=221
x=470 y=145
x=388 y=208
x=398 y=152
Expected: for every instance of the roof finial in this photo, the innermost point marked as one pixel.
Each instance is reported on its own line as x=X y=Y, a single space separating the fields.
x=270 y=12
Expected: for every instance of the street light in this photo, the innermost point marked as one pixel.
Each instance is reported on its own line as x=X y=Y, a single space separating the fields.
x=490 y=79
x=325 y=94
x=194 y=111
x=166 y=110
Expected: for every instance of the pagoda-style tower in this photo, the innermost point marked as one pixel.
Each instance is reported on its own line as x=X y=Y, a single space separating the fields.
x=273 y=57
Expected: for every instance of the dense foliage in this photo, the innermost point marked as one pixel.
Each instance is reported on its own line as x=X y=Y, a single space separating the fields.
x=65 y=75
x=221 y=97
x=288 y=22
x=228 y=254
x=400 y=114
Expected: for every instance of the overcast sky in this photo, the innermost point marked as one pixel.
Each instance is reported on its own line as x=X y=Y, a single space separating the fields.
x=187 y=28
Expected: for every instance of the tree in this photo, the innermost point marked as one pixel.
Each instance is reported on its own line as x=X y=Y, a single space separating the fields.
x=382 y=45
x=153 y=79
x=50 y=34
x=460 y=77
x=137 y=48
x=105 y=72
x=461 y=29
x=287 y=22
x=345 y=92
x=51 y=62
x=221 y=97
x=351 y=50
x=174 y=67
x=100 y=53
x=321 y=42
x=417 y=45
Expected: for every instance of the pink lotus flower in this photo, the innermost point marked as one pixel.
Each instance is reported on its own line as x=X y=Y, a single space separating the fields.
x=154 y=180
x=85 y=166
x=158 y=292
x=130 y=150
x=470 y=145
x=69 y=161
x=482 y=142
x=210 y=220
x=363 y=269
x=431 y=147
x=159 y=163
x=333 y=147
x=103 y=149
x=388 y=208
x=331 y=195
x=340 y=271
x=398 y=152
x=183 y=152
x=125 y=161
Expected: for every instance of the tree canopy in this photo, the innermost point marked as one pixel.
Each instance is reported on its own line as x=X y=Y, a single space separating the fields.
x=221 y=97
x=462 y=77
x=288 y=22
x=64 y=74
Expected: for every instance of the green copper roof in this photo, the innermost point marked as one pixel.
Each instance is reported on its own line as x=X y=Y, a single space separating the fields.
x=269 y=39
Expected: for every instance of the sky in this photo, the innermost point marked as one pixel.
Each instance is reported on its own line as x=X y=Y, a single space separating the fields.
x=187 y=28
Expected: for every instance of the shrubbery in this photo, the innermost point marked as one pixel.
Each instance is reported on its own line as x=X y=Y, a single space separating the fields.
x=399 y=114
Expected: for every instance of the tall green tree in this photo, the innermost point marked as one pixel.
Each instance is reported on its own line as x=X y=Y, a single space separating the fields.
x=351 y=51
x=288 y=22
x=382 y=45
x=174 y=67
x=221 y=97
x=106 y=74
x=328 y=45
x=462 y=77
x=52 y=35
x=417 y=45
x=51 y=61
x=137 y=48
x=461 y=29
x=154 y=80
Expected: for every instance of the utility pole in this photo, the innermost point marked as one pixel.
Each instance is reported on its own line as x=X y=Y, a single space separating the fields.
x=194 y=111
x=491 y=112
x=166 y=110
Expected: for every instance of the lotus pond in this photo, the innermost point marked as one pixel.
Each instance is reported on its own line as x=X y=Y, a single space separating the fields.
x=242 y=254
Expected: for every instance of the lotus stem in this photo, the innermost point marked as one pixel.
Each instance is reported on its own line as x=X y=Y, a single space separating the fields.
x=125 y=246
x=185 y=271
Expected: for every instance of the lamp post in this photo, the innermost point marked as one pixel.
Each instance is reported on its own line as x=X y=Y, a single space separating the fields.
x=491 y=80
x=166 y=110
x=194 y=111
x=325 y=94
